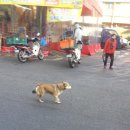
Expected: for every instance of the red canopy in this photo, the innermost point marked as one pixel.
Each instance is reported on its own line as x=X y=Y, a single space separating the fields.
x=91 y=8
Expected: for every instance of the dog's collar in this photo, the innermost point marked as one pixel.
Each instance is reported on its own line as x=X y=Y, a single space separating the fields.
x=58 y=86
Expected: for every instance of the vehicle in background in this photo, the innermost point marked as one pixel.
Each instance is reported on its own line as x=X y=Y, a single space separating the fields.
x=32 y=50
x=124 y=42
x=67 y=43
x=106 y=33
x=72 y=55
x=97 y=34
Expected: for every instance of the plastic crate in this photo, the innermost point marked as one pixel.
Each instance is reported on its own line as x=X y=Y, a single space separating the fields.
x=16 y=40
x=9 y=40
x=23 y=41
x=67 y=44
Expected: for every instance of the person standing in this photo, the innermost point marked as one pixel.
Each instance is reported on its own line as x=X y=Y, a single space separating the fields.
x=109 y=50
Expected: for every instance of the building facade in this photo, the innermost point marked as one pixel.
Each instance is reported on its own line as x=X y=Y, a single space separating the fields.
x=116 y=13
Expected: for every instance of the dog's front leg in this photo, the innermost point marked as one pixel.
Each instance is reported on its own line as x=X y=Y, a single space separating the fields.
x=39 y=99
x=56 y=99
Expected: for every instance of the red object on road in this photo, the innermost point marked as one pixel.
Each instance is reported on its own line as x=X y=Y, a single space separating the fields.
x=92 y=49
x=85 y=50
x=7 y=49
x=45 y=53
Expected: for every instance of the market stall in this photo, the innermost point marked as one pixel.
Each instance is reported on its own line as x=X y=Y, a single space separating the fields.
x=37 y=15
x=50 y=17
x=91 y=8
x=57 y=24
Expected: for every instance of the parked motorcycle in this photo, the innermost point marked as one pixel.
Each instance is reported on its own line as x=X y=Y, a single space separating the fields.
x=73 y=57
x=33 y=50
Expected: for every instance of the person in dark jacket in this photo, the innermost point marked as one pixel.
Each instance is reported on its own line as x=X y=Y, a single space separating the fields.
x=109 y=50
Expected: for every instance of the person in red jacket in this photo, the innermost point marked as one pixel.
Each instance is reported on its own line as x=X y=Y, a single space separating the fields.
x=109 y=50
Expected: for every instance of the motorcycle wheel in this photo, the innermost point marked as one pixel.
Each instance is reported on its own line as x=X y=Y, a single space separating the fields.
x=40 y=55
x=71 y=61
x=20 y=58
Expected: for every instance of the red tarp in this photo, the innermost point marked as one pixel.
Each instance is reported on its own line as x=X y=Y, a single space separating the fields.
x=91 y=8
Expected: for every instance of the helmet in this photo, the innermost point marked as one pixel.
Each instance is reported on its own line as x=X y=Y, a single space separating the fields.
x=38 y=34
x=77 y=25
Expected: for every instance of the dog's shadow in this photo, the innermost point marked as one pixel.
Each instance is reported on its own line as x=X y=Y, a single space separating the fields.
x=47 y=104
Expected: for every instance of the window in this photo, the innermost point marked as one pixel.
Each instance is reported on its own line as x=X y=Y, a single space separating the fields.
x=108 y=5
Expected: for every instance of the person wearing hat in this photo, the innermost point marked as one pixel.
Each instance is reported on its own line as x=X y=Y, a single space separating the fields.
x=109 y=50
x=78 y=40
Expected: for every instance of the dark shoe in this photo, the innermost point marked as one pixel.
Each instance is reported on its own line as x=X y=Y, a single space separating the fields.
x=104 y=67
x=111 y=68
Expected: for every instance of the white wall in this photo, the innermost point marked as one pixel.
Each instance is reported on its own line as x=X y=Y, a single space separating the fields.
x=116 y=12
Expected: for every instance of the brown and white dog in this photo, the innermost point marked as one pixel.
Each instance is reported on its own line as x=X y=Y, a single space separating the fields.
x=54 y=89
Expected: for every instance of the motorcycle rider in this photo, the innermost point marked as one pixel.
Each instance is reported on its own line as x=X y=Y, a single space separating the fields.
x=78 y=41
x=34 y=44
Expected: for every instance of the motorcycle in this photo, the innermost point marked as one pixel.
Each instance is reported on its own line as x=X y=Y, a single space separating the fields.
x=33 y=50
x=73 y=57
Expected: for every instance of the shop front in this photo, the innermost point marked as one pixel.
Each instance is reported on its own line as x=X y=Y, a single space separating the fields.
x=90 y=31
x=49 y=17
x=92 y=37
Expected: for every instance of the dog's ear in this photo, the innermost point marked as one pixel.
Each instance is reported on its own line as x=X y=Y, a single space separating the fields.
x=64 y=82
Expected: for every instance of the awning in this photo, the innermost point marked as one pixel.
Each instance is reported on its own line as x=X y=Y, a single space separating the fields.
x=86 y=9
x=91 y=8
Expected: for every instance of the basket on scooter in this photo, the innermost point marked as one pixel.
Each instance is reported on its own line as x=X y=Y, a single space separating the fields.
x=67 y=44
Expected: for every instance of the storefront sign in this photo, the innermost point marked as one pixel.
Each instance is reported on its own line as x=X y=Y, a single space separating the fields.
x=52 y=2
x=67 y=1
x=76 y=3
x=28 y=2
x=57 y=14
x=5 y=1
x=117 y=1
x=71 y=1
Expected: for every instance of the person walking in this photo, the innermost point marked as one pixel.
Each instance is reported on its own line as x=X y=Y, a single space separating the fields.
x=109 y=50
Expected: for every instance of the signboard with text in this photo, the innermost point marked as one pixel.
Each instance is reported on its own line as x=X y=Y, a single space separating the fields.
x=128 y=1
x=52 y=3
x=25 y=2
x=58 y=14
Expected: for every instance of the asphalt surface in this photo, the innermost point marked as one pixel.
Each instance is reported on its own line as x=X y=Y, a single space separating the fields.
x=99 y=99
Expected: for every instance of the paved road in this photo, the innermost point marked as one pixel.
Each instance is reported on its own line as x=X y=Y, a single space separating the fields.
x=99 y=99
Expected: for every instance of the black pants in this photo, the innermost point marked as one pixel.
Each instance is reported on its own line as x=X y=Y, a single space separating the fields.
x=111 y=57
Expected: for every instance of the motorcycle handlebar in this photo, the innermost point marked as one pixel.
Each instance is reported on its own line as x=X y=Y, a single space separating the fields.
x=32 y=40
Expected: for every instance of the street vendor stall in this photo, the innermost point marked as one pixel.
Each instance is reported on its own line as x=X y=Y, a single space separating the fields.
x=90 y=37
x=50 y=17
x=41 y=15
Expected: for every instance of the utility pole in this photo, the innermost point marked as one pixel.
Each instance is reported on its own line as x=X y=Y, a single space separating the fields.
x=113 y=13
